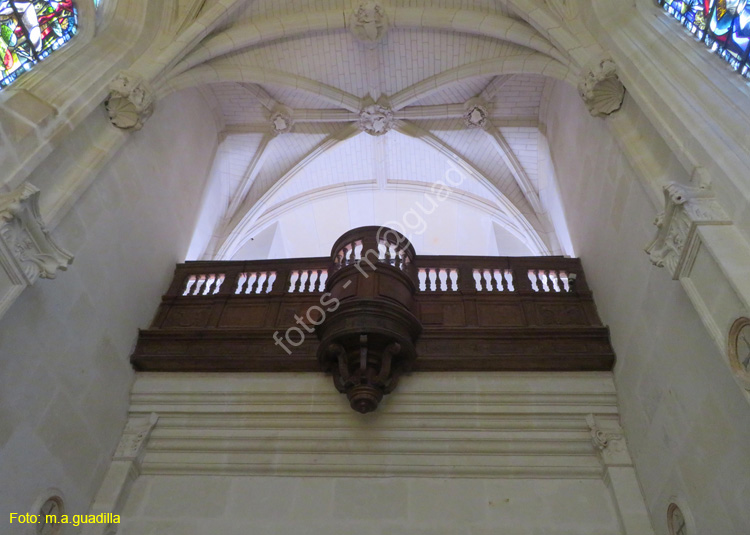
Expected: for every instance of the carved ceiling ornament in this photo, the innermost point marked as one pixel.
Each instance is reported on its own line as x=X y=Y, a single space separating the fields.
x=281 y=121
x=375 y=118
x=130 y=102
x=27 y=251
x=609 y=442
x=686 y=208
x=476 y=113
x=601 y=89
x=369 y=23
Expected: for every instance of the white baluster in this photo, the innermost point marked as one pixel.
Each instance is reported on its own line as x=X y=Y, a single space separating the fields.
x=323 y=279
x=293 y=281
x=532 y=278
x=189 y=285
x=422 y=276
x=565 y=281
x=443 y=280
x=303 y=281
x=199 y=284
x=251 y=278
x=219 y=282
x=261 y=282
x=313 y=279
x=488 y=280
x=553 y=278
x=209 y=282
x=498 y=279
x=509 y=280
x=358 y=250
x=543 y=278
x=271 y=280
x=477 y=279
x=432 y=273
x=240 y=282
x=454 y=279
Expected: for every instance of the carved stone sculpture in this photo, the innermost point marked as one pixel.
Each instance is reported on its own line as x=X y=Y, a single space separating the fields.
x=610 y=443
x=27 y=251
x=369 y=23
x=130 y=102
x=476 y=114
x=375 y=118
x=686 y=208
x=601 y=89
x=281 y=121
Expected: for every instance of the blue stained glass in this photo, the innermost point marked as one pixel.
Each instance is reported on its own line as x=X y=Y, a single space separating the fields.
x=722 y=25
x=30 y=30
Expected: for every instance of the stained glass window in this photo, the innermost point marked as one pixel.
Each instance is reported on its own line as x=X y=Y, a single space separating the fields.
x=723 y=25
x=30 y=30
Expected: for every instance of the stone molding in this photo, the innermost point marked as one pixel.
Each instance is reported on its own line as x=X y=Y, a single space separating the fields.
x=130 y=102
x=27 y=251
x=601 y=89
x=282 y=121
x=686 y=208
x=369 y=23
x=609 y=442
x=219 y=424
x=376 y=118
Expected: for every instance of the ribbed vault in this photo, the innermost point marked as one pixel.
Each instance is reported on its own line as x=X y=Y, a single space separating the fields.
x=315 y=66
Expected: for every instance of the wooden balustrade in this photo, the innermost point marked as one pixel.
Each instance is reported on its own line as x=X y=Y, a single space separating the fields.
x=477 y=313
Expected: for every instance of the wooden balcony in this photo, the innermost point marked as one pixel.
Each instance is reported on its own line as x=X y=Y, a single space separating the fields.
x=477 y=314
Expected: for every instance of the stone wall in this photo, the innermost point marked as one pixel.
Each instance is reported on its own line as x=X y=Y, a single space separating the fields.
x=686 y=421
x=64 y=370
x=459 y=454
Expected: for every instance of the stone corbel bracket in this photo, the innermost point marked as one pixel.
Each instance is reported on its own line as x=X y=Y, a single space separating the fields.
x=609 y=443
x=27 y=251
x=130 y=102
x=134 y=438
x=601 y=88
x=686 y=208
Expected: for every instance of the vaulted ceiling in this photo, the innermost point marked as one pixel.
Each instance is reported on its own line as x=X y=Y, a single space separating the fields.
x=455 y=84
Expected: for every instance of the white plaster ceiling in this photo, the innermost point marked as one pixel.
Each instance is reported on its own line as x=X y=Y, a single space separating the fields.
x=301 y=55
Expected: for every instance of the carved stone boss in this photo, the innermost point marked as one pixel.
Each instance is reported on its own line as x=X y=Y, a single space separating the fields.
x=27 y=251
x=686 y=208
x=369 y=23
x=601 y=89
x=130 y=102
x=376 y=118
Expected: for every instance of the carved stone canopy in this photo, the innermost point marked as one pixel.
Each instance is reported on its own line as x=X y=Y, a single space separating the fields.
x=130 y=102
x=369 y=23
x=601 y=89
x=375 y=118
